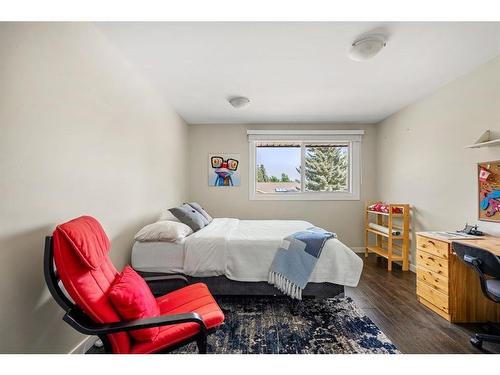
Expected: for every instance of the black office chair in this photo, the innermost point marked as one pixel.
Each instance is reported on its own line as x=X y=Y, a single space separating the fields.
x=487 y=265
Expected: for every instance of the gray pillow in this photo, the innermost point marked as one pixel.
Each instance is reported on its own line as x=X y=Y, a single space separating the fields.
x=200 y=209
x=189 y=216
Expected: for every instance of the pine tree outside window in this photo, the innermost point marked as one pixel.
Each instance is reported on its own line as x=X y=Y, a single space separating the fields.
x=305 y=165
x=326 y=167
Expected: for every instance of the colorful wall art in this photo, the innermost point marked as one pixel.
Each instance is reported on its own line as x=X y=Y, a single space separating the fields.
x=488 y=176
x=223 y=170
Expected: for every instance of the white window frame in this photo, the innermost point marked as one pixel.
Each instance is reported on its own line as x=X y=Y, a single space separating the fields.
x=352 y=138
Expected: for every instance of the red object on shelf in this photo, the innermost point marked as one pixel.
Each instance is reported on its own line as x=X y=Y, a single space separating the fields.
x=382 y=207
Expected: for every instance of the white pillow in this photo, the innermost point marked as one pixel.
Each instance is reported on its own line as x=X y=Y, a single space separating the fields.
x=167 y=215
x=168 y=231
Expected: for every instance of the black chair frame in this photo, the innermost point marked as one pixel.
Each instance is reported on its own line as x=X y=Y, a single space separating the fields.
x=487 y=265
x=77 y=319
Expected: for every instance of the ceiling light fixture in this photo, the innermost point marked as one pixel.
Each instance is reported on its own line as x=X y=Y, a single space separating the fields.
x=366 y=47
x=239 y=101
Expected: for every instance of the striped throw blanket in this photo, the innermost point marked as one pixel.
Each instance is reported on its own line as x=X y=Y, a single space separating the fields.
x=295 y=260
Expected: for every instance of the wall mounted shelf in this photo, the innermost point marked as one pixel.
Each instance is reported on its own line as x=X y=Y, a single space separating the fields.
x=485 y=141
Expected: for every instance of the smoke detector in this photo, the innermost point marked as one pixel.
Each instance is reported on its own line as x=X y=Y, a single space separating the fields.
x=239 y=101
x=366 y=47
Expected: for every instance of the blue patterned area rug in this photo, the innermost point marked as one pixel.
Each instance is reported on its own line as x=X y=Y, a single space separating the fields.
x=280 y=325
x=274 y=325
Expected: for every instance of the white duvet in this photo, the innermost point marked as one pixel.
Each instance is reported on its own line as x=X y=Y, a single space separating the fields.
x=243 y=250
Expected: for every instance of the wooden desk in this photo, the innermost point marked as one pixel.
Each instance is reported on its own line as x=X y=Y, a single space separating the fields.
x=492 y=244
x=449 y=287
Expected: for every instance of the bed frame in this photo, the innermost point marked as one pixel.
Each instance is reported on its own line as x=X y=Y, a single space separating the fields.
x=222 y=286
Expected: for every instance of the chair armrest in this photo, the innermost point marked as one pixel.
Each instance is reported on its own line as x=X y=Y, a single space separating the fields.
x=150 y=279
x=90 y=328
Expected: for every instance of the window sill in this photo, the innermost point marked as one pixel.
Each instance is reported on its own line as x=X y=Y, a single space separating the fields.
x=305 y=197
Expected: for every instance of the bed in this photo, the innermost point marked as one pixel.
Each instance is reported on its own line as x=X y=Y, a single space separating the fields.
x=233 y=256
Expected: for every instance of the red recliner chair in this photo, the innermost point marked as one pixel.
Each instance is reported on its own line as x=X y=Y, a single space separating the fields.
x=77 y=256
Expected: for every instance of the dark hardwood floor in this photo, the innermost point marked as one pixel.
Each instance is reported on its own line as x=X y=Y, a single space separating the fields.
x=389 y=299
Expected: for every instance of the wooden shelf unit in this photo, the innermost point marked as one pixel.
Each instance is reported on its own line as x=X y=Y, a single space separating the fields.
x=395 y=248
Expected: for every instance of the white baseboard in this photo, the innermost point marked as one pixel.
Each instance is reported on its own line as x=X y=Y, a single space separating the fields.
x=359 y=250
x=85 y=345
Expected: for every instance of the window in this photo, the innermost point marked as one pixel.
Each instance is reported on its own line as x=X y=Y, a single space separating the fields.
x=277 y=167
x=305 y=165
x=326 y=167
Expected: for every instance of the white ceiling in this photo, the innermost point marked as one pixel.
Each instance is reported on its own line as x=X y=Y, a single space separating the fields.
x=299 y=72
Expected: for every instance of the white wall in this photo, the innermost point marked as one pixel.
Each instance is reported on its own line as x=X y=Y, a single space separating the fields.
x=343 y=217
x=421 y=157
x=81 y=132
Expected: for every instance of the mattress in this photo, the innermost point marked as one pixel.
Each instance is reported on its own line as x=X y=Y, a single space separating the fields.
x=158 y=256
x=243 y=250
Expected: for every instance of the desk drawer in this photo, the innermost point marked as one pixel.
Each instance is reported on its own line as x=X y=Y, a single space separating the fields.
x=436 y=298
x=432 y=262
x=434 y=247
x=434 y=280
